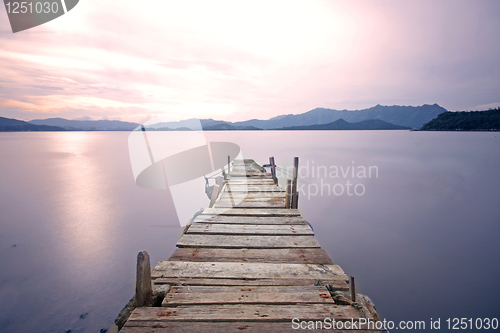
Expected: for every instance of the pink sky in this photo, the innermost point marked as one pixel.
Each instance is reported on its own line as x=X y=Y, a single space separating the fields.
x=237 y=60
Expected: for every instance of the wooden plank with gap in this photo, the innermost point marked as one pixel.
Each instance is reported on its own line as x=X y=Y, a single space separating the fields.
x=249 y=219
x=250 y=212
x=248 y=296
x=285 y=256
x=248 y=195
x=239 y=326
x=250 y=241
x=249 y=181
x=337 y=283
x=280 y=198
x=239 y=289
x=253 y=188
x=238 y=172
x=235 y=270
x=250 y=312
x=242 y=203
x=249 y=229
x=249 y=204
x=251 y=174
x=246 y=169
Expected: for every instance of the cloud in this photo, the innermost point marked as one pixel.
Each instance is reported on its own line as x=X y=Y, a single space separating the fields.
x=50 y=88
x=246 y=60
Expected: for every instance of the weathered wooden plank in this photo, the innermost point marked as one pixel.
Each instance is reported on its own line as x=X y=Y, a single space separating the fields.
x=248 y=296
x=251 y=212
x=253 y=188
x=244 y=161
x=240 y=167
x=235 y=270
x=245 y=195
x=250 y=219
x=249 y=181
x=250 y=174
x=249 y=204
x=250 y=312
x=252 y=164
x=250 y=242
x=239 y=289
x=248 y=195
x=247 y=229
x=184 y=295
x=240 y=326
x=337 y=283
x=249 y=198
x=228 y=198
x=249 y=168
x=249 y=164
x=246 y=169
x=285 y=256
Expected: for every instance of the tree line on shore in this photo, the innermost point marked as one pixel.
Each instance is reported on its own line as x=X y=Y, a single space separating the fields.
x=465 y=121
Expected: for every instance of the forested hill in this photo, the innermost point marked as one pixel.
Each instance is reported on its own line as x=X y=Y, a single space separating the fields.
x=465 y=121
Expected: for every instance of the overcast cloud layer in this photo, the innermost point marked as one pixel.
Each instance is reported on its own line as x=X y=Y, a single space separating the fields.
x=236 y=60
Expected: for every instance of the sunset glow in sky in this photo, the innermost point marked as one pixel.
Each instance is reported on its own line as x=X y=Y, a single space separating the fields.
x=237 y=60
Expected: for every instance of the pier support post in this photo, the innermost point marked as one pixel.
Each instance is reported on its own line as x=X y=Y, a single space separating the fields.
x=273 y=169
x=295 y=195
x=353 y=289
x=288 y=197
x=143 y=287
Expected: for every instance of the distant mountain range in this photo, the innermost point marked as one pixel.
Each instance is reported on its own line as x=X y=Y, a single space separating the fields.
x=341 y=124
x=14 y=125
x=411 y=116
x=408 y=116
x=86 y=125
x=403 y=116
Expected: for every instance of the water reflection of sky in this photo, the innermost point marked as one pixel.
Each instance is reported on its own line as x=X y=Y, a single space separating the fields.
x=72 y=223
x=423 y=235
x=86 y=214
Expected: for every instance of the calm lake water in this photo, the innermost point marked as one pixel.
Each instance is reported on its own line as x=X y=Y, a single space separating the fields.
x=421 y=233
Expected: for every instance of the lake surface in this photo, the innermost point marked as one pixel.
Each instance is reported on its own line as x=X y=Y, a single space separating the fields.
x=421 y=233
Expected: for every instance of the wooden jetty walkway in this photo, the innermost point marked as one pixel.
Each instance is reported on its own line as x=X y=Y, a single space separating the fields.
x=253 y=267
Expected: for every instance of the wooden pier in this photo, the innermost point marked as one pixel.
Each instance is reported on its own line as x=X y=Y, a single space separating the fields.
x=250 y=267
